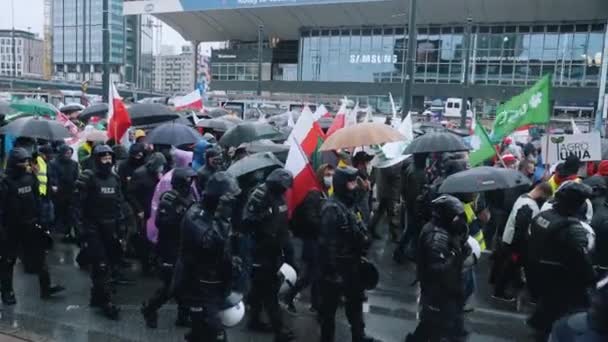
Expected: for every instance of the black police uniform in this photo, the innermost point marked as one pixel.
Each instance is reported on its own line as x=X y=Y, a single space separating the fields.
x=100 y=202
x=204 y=268
x=172 y=207
x=19 y=214
x=441 y=252
x=266 y=214
x=343 y=241
x=560 y=257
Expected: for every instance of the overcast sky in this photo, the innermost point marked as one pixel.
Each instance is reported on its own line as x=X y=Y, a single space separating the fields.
x=29 y=13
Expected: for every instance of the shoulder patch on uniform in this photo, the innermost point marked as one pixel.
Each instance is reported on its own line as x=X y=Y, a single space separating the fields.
x=543 y=222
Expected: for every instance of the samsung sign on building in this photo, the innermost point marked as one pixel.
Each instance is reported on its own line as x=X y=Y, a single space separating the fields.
x=372 y=59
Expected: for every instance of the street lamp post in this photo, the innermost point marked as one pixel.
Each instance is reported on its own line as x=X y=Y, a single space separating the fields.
x=260 y=47
x=465 y=86
x=106 y=51
x=408 y=76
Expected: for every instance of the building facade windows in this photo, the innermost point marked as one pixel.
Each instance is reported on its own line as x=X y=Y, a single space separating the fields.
x=500 y=54
x=234 y=71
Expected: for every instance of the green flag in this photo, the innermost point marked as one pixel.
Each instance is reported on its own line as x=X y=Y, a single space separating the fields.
x=530 y=107
x=482 y=146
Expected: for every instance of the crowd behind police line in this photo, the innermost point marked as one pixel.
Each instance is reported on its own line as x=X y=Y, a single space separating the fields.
x=217 y=235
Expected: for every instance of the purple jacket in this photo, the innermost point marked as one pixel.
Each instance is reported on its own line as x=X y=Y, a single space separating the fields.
x=182 y=159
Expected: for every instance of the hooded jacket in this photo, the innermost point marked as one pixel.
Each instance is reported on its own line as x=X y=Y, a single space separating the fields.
x=144 y=182
x=198 y=157
x=66 y=172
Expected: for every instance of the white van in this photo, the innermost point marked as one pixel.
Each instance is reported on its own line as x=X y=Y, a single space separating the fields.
x=451 y=108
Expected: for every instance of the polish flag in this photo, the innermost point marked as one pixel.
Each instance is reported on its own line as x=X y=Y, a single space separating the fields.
x=339 y=121
x=321 y=112
x=67 y=123
x=190 y=101
x=304 y=177
x=308 y=134
x=118 y=117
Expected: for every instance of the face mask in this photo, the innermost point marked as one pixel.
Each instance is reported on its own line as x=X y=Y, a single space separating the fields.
x=105 y=168
x=328 y=181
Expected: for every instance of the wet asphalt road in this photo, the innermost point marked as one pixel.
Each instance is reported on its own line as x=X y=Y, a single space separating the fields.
x=392 y=309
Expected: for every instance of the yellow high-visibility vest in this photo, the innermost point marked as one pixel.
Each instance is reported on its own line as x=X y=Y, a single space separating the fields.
x=469 y=212
x=42 y=175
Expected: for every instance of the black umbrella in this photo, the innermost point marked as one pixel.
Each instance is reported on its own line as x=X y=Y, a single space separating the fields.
x=279 y=150
x=71 y=108
x=248 y=132
x=175 y=134
x=253 y=163
x=436 y=142
x=217 y=124
x=98 y=109
x=36 y=128
x=483 y=178
x=150 y=113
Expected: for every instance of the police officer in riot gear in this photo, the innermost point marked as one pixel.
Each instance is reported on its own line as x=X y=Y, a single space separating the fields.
x=99 y=211
x=172 y=207
x=204 y=269
x=441 y=253
x=344 y=241
x=20 y=225
x=266 y=214
x=560 y=253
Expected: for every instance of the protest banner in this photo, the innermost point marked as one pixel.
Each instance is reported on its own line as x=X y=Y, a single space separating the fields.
x=587 y=147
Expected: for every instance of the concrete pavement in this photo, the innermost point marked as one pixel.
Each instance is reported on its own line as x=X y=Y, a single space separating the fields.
x=392 y=309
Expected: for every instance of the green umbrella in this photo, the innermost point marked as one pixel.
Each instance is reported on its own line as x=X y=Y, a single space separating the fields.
x=35 y=107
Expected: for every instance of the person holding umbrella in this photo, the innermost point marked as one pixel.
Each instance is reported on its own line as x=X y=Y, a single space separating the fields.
x=20 y=215
x=213 y=163
x=66 y=171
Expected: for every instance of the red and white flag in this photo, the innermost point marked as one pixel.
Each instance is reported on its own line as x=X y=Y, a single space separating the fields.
x=307 y=133
x=67 y=123
x=321 y=112
x=339 y=120
x=304 y=177
x=118 y=117
x=190 y=101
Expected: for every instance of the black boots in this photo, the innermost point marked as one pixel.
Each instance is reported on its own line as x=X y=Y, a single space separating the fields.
x=183 y=317
x=150 y=316
x=6 y=287
x=100 y=300
x=46 y=289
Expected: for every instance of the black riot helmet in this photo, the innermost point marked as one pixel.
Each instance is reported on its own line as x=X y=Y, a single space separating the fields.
x=182 y=179
x=279 y=180
x=17 y=162
x=570 y=196
x=220 y=194
x=342 y=176
x=99 y=152
x=448 y=213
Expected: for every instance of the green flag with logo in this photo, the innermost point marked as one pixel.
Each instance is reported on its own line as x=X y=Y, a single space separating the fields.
x=483 y=149
x=533 y=106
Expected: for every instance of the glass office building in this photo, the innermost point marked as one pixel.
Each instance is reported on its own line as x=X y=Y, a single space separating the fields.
x=139 y=50
x=77 y=37
x=500 y=54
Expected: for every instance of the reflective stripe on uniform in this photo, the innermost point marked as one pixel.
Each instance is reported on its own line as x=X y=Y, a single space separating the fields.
x=42 y=175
